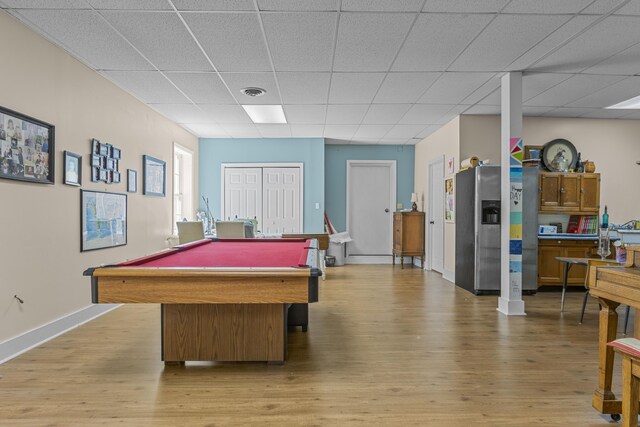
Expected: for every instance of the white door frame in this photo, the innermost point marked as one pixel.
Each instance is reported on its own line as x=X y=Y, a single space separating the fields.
x=427 y=258
x=300 y=166
x=392 y=205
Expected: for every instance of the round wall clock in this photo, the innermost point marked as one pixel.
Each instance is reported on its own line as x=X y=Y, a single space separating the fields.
x=559 y=155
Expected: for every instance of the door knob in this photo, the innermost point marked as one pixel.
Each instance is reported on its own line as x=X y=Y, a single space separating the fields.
x=387 y=210
x=432 y=222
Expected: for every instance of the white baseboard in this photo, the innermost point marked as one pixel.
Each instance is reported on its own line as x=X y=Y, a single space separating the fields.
x=22 y=343
x=449 y=275
x=382 y=259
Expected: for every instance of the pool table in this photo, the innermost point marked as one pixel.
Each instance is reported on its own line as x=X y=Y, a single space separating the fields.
x=221 y=299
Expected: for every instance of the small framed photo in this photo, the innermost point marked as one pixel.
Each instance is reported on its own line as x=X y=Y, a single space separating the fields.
x=96 y=160
x=103 y=175
x=111 y=164
x=116 y=177
x=104 y=149
x=132 y=181
x=95 y=146
x=109 y=177
x=72 y=168
x=154 y=176
x=95 y=174
x=115 y=153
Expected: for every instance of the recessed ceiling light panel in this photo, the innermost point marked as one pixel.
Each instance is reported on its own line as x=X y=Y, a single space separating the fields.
x=265 y=113
x=629 y=104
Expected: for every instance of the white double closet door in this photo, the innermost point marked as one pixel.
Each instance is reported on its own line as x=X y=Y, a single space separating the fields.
x=272 y=195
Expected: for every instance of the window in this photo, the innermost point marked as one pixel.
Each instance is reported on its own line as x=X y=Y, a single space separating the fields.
x=182 y=185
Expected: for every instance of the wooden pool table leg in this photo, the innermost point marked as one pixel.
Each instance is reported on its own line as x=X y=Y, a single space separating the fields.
x=603 y=398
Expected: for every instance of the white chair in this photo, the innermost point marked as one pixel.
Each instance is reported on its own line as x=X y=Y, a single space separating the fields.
x=230 y=229
x=190 y=231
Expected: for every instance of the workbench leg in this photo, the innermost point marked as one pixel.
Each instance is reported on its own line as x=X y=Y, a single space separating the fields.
x=608 y=325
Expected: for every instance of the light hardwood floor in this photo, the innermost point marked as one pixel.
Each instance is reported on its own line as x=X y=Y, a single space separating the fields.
x=385 y=346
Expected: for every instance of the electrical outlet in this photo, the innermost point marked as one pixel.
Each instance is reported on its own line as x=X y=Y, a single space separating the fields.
x=399 y=206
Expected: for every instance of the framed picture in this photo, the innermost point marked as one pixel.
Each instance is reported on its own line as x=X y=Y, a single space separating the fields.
x=103 y=220
x=72 y=168
x=451 y=166
x=154 y=176
x=111 y=164
x=96 y=160
x=95 y=174
x=103 y=175
x=104 y=149
x=27 y=148
x=115 y=153
x=132 y=181
x=95 y=146
x=116 y=176
x=449 y=201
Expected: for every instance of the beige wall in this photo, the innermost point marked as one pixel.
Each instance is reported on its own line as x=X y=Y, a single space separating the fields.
x=614 y=146
x=40 y=258
x=444 y=142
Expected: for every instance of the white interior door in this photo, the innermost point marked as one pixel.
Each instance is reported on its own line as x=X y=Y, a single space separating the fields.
x=243 y=193
x=371 y=188
x=436 y=215
x=281 y=200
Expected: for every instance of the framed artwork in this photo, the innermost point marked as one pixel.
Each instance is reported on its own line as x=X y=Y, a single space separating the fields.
x=26 y=148
x=104 y=149
x=132 y=181
x=102 y=175
x=154 y=176
x=96 y=160
x=95 y=146
x=451 y=166
x=449 y=201
x=115 y=153
x=95 y=174
x=72 y=168
x=116 y=176
x=103 y=220
x=105 y=159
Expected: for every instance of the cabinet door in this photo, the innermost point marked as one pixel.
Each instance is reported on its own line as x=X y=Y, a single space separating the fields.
x=397 y=231
x=577 y=273
x=413 y=233
x=590 y=193
x=549 y=269
x=570 y=191
x=549 y=187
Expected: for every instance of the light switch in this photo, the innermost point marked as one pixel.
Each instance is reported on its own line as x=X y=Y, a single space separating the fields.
x=317 y=205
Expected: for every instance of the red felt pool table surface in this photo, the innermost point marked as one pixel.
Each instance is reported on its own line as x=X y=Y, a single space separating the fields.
x=242 y=253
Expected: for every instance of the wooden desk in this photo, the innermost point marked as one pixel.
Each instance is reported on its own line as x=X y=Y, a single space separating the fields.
x=613 y=286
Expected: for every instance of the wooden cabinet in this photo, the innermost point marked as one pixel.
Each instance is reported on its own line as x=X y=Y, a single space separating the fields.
x=408 y=235
x=551 y=271
x=569 y=192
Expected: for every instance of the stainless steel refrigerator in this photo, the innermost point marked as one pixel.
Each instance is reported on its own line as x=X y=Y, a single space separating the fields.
x=478 y=230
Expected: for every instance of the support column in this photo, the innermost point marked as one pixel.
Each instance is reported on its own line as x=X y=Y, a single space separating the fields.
x=511 y=150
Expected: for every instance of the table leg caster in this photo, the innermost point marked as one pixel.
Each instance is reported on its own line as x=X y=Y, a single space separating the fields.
x=615 y=417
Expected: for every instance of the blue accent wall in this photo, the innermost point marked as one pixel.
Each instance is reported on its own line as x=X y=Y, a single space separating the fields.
x=336 y=157
x=309 y=151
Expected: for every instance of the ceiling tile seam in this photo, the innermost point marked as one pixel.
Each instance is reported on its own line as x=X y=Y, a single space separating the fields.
x=601 y=18
x=395 y=57
x=204 y=53
x=593 y=93
x=333 y=60
x=473 y=39
x=142 y=55
x=393 y=126
x=608 y=58
x=273 y=68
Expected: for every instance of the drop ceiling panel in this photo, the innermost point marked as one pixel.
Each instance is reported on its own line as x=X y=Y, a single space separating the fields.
x=45 y=4
x=464 y=6
x=483 y=110
x=227 y=114
x=427 y=131
x=346 y=114
x=393 y=141
x=307 y=131
x=300 y=41
x=610 y=95
x=131 y=5
x=601 y=113
x=484 y=91
x=354 y=88
x=214 y=4
x=297 y=5
x=404 y=131
x=536 y=83
x=546 y=6
x=88 y=36
x=608 y=37
x=572 y=89
x=424 y=114
x=159 y=36
x=274 y=130
x=404 y=87
x=437 y=39
x=452 y=88
x=504 y=40
x=603 y=6
x=567 y=112
x=370 y=41
x=243 y=48
x=623 y=63
x=550 y=43
x=385 y=114
x=203 y=88
x=207 y=130
x=266 y=81
x=183 y=113
x=535 y=111
x=305 y=114
x=304 y=88
x=634 y=115
x=241 y=131
x=381 y=5
x=340 y=131
x=631 y=8
x=149 y=86
x=372 y=132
